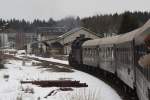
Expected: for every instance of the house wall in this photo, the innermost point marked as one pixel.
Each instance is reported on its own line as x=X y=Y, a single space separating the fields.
x=67 y=49
x=3 y=40
x=45 y=36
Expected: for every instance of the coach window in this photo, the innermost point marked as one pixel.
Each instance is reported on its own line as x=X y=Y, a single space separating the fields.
x=105 y=52
x=125 y=56
x=122 y=56
x=99 y=52
x=99 y=49
x=110 y=54
x=93 y=51
x=129 y=56
x=84 y=51
x=90 y=51
x=148 y=69
x=96 y=52
x=110 y=51
x=87 y=52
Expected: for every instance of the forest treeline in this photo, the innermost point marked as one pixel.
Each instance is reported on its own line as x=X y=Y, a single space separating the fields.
x=108 y=23
x=115 y=23
x=15 y=25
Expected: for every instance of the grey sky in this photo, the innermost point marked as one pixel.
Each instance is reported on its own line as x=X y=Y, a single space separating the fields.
x=57 y=9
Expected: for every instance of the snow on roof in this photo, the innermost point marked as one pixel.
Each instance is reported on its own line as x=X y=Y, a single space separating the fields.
x=75 y=30
x=110 y=40
x=21 y=51
x=135 y=33
x=93 y=43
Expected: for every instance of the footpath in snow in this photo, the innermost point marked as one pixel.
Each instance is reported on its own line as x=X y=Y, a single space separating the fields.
x=12 y=89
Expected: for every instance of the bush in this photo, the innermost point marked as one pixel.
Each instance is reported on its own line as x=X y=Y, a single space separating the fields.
x=1 y=66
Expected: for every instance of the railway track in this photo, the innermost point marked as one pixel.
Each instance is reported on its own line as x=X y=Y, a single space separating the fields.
x=109 y=79
x=48 y=62
x=114 y=82
x=122 y=89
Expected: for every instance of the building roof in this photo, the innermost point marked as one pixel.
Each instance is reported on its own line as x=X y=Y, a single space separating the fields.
x=75 y=30
x=52 y=30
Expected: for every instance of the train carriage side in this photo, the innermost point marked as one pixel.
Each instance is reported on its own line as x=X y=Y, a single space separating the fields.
x=90 y=52
x=107 y=54
x=125 y=58
x=142 y=47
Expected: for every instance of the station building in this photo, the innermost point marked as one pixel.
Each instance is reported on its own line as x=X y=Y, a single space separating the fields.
x=67 y=38
x=58 y=40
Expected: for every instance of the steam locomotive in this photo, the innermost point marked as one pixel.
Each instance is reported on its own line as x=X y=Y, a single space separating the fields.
x=126 y=56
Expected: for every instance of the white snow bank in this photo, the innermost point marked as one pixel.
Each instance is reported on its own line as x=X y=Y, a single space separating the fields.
x=50 y=59
x=19 y=52
x=11 y=89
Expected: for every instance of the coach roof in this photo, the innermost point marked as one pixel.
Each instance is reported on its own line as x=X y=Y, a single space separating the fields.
x=135 y=33
x=94 y=42
x=109 y=40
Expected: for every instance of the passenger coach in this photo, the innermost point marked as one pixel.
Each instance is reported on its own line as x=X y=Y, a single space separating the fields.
x=127 y=56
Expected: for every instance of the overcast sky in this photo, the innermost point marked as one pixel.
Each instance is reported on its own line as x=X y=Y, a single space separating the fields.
x=57 y=9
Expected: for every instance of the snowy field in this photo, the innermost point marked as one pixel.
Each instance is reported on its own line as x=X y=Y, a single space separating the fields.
x=12 y=89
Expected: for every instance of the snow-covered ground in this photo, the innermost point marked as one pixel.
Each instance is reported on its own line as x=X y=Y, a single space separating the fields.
x=46 y=59
x=50 y=59
x=12 y=89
